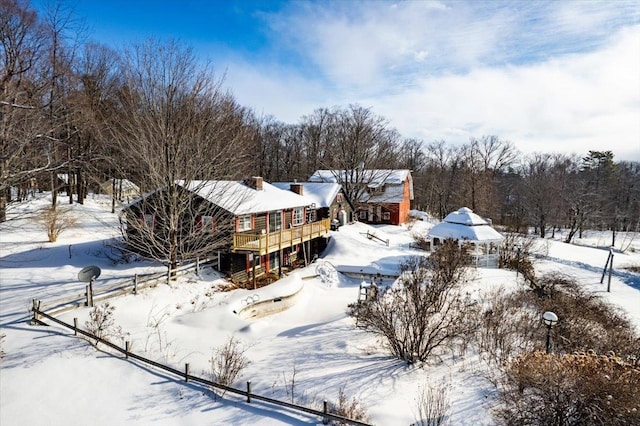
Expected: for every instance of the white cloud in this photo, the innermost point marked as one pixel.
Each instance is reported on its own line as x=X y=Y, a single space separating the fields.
x=454 y=70
x=570 y=104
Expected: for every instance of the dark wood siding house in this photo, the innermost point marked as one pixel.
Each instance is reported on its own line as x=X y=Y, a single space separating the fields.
x=385 y=195
x=269 y=228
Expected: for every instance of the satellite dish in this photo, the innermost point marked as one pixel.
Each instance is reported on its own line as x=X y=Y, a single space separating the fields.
x=89 y=273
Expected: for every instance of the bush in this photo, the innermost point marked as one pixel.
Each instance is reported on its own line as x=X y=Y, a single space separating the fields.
x=425 y=310
x=349 y=408
x=101 y=323
x=228 y=362
x=55 y=221
x=433 y=405
x=567 y=390
x=511 y=324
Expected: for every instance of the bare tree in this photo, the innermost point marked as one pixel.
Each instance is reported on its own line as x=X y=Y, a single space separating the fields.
x=425 y=310
x=360 y=148
x=443 y=172
x=484 y=160
x=22 y=125
x=175 y=130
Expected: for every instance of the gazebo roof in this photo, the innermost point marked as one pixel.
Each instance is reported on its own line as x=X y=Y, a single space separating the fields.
x=465 y=225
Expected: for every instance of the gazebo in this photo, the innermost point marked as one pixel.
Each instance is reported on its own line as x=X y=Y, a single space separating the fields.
x=467 y=227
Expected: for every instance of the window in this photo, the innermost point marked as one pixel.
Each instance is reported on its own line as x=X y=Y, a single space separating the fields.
x=207 y=223
x=340 y=198
x=148 y=220
x=254 y=258
x=298 y=216
x=363 y=214
x=275 y=221
x=244 y=223
x=386 y=216
x=311 y=215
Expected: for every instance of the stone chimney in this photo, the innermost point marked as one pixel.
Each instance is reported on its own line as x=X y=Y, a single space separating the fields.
x=254 y=182
x=297 y=188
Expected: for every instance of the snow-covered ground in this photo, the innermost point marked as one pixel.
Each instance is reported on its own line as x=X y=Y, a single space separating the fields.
x=49 y=376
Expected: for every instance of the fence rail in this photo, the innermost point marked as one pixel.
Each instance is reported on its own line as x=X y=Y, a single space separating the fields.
x=92 y=294
x=326 y=416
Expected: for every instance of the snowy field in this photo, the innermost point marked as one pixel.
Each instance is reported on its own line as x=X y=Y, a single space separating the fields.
x=50 y=377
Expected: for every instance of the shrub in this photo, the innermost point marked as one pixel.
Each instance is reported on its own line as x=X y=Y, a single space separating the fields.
x=567 y=390
x=55 y=221
x=349 y=408
x=425 y=310
x=101 y=322
x=433 y=405
x=228 y=362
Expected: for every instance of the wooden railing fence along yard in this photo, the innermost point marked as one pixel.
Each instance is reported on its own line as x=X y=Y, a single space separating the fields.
x=132 y=286
x=39 y=314
x=93 y=294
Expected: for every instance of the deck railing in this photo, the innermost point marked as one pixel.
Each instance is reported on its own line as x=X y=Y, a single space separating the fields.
x=268 y=243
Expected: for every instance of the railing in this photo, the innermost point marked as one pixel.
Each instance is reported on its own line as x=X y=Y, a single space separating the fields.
x=94 y=294
x=268 y=243
x=324 y=414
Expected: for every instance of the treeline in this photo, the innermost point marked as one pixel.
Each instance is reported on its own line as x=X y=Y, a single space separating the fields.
x=75 y=114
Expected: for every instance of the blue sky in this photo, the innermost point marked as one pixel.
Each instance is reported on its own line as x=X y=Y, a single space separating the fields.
x=558 y=76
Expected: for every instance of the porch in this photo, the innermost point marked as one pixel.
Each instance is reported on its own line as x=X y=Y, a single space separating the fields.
x=262 y=244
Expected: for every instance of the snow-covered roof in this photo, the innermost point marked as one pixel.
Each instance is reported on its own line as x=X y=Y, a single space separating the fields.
x=322 y=193
x=127 y=185
x=240 y=199
x=391 y=179
x=465 y=225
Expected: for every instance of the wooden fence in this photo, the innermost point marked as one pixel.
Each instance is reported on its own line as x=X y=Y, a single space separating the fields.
x=326 y=416
x=93 y=295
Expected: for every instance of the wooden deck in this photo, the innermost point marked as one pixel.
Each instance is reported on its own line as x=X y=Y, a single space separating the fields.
x=268 y=243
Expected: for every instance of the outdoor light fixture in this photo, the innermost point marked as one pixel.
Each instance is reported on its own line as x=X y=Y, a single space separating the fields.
x=518 y=249
x=549 y=319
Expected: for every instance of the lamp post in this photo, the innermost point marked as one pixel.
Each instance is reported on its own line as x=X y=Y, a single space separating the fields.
x=549 y=319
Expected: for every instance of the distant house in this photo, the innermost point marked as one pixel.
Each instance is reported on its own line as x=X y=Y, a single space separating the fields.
x=381 y=195
x=328 y=199
x=264 y=228
x=124 y=189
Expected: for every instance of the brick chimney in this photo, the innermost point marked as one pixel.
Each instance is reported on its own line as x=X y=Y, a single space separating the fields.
x=254 y=182
x=297 y=188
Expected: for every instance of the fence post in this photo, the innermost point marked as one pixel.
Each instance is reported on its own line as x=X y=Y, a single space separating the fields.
x=127 y=346
x=34 y=308
x=325 y=419
x=91 y=292
x=610 y=269
x=604 y=271
x=197 y=266
x=218 y=265
x=135 y=283
x=186 y=372
x=75 y=326
x=249 y=391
